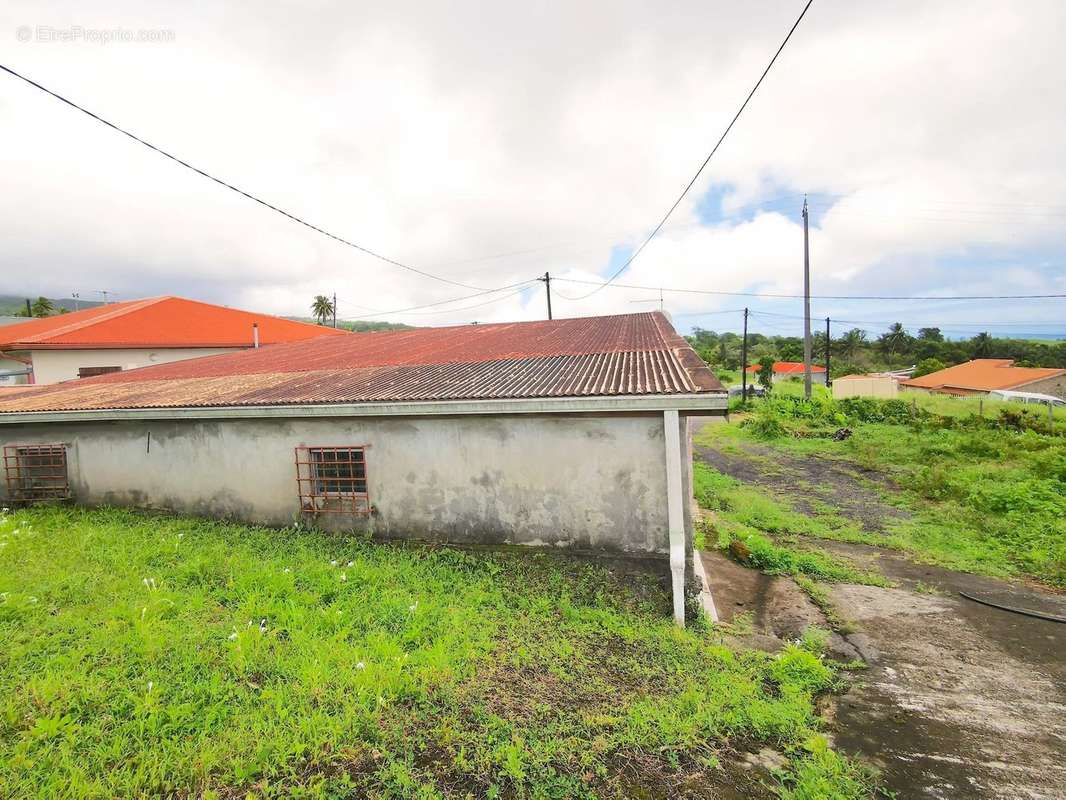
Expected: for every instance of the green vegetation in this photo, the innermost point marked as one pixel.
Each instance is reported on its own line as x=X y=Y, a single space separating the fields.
x=159 y=656
x=986 y=494
x=852 y=351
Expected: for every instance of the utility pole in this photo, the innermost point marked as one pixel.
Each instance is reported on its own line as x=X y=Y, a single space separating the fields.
x=744 y=361
x=806 y=307
x=828 y=347
x=547 y=279
x=76 y=297
x=104 y=293
x=334 y=309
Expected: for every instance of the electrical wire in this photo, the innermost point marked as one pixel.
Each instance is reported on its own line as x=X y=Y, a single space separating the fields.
x=707 y=160
x=523 y=284
x=815 y=296
x=239 y=191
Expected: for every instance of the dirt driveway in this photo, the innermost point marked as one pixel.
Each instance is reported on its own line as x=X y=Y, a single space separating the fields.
x=959 y=699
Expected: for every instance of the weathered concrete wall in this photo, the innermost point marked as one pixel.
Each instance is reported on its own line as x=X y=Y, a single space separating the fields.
x=581 y=481
x=52 y=366
x=1056 y=387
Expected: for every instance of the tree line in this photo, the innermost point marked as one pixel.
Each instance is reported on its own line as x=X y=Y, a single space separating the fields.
x=856 y=351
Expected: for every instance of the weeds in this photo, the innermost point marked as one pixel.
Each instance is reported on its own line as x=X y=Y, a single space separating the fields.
x=155 y=656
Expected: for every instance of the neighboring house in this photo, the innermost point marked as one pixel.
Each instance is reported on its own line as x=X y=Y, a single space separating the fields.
x=567 y=434
x=872 y=385
x=983 y=375
x=137 y=333
x=792 y=369
x=13 y=371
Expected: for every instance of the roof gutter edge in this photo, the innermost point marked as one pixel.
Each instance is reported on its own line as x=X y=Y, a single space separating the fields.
x=702 y=403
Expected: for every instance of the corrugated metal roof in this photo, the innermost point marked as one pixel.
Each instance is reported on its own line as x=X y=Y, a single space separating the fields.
x=633 y=354
x=156 y=322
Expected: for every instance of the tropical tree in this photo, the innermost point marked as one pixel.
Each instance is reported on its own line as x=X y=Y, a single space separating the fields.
x=895 y=340
x=930 y=335
x=927 y=366
x=851 y=342
x=766 y=372
x=322 y=308
x=982 y=345
x=43 y=307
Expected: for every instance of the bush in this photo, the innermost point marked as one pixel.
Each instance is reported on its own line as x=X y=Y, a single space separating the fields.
x=927 y=366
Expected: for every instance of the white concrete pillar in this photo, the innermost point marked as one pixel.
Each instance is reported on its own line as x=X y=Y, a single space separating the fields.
x=675 y=511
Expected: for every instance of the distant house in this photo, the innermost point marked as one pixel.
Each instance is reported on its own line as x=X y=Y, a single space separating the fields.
x=566 y=434
x=136 y=333
x=983 y=375
x=792 y=369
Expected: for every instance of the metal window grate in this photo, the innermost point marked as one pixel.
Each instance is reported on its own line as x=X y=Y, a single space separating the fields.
x=332 y=480
x=36 y=472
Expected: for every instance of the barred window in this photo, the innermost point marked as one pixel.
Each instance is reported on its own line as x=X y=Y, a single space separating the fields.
x=36 y=472
x=332 y=480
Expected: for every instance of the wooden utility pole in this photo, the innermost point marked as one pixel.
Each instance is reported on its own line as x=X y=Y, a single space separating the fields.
x=548 y=290
x=806 y=307
x=828 y=347
x=334 y=309
x=744 y=361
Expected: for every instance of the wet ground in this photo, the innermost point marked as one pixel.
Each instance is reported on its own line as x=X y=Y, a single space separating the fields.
x=959 y=699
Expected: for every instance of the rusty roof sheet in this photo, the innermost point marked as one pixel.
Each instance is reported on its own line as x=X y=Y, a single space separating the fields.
x=632 y=354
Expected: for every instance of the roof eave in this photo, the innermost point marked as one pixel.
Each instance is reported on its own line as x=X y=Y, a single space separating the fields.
x=702 y=403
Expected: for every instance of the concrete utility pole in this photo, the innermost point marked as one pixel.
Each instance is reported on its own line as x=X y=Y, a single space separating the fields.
x=744 y=361
x=548 y=289
x=76 y=297
x=334 y=309
x=828 y=347
x=806 y=307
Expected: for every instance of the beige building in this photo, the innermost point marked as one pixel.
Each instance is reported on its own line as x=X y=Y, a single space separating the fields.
x=137 y=333
x=881 y=386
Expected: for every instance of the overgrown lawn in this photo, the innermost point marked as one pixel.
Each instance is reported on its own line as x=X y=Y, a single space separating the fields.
x=160 y=656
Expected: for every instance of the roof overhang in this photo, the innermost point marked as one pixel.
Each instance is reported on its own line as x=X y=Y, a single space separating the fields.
x=701 y=404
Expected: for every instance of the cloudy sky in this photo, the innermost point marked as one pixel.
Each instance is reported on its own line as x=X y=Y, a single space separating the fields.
x=490 y=142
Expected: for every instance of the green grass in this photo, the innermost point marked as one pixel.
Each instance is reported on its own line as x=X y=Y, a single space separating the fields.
x=159 y=656
x=982 y=499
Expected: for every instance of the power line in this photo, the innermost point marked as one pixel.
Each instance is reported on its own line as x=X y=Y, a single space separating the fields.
x=714 y=150
x=815 y=296
x=523 y=284
x=231 y=187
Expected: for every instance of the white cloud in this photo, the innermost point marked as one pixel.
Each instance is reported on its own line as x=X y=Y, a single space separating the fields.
x=447 y=134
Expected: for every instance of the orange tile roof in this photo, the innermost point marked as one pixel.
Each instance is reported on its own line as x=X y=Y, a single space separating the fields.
x=983 y=374
x=788 y=367
x=156 y=322
x=630 y=354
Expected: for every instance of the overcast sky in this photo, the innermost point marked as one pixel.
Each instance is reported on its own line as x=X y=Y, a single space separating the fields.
x=491 y=142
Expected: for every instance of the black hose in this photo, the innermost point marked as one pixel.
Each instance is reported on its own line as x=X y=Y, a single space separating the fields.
x=1024 y=612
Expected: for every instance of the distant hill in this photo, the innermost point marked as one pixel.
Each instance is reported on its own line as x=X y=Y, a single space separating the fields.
x=11 y=304
x=361 y=325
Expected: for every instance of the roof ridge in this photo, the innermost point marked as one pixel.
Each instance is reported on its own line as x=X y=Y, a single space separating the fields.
x=127 y=307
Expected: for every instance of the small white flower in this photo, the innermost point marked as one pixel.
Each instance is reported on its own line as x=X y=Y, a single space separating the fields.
x=262 y=625
x=351 y=563
x=150 y=684
x=181 y=535
x=413 y=606
x=360 y=665
x=233 y=636
x=344 y=577
x=33 y=599
x=286 y=571
x=333 y=563
x=249 y=623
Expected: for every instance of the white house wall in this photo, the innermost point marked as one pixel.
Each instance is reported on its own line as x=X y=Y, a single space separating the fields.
x=581 y=481
x=52 y=366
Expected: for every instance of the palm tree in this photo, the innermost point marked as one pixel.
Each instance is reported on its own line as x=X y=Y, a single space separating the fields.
x=982 y=345
x=322 y=308
x=43 y=307
x=848 y=344
x=895 y=339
